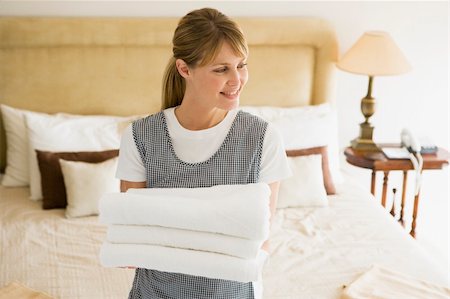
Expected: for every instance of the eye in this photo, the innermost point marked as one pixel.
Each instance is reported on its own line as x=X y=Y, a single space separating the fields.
x=221 y=70
x=242 y=65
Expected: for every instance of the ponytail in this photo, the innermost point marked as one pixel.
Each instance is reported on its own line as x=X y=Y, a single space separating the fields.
x=173 y=86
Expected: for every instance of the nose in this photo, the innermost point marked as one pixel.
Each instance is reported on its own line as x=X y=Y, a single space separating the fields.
x=234 y=78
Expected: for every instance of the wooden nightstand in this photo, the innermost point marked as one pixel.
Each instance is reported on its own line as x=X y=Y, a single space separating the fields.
x=377 y=161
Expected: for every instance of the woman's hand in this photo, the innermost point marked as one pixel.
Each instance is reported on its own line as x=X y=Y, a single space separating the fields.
x=274 y=187
x=125 y=185
x=266 y=246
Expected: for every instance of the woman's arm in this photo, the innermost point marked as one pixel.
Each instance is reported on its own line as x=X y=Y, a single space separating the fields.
x=274 y=187
x=125 y=185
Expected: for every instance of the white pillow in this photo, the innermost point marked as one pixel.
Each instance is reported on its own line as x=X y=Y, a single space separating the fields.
x=65 y=133
x=16 y=171
x=305 y=187
x=305 y=127
x=86 y=183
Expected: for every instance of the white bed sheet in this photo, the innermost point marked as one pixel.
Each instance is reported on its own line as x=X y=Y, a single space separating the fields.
x=315 y=251
x=47 y=252
x=318 y=251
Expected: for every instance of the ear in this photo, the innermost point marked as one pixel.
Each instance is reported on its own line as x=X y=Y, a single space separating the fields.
x=183 y=68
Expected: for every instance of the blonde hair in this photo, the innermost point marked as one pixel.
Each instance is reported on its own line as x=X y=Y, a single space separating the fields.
x=197 y=40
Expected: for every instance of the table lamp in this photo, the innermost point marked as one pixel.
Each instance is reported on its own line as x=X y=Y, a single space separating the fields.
x=374 y=54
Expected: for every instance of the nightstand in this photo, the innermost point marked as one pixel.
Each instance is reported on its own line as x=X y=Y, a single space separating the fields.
x=377 y=161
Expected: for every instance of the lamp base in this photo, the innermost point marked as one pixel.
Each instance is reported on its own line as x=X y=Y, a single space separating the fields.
x=364 y=145
x=364 y=141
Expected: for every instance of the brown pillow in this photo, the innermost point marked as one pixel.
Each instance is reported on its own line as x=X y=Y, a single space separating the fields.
x=322 y=150
x=52 y=181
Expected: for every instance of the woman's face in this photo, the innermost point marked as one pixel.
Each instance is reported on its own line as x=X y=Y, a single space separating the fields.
x=219 y=83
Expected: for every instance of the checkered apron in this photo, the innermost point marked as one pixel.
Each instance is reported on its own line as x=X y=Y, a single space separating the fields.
x=237 y=161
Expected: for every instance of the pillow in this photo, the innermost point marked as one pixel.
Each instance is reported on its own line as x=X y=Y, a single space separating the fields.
x=85 y=184
x=16 y=171
x=322 y=151
x=305 y=127
x=52 y=181
x=305 y=188
x=68 y=134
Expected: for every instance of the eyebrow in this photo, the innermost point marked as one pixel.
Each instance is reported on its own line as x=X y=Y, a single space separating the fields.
x=226 y=63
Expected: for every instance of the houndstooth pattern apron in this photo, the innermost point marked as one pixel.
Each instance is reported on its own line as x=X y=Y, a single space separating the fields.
x=237 y=161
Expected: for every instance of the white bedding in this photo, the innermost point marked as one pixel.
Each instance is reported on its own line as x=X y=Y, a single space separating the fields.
x=318 y=251
x=381 y=283
x=47 y=252
x=315 y=251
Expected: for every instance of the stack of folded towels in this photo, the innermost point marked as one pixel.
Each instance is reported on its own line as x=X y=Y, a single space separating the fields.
x=214 y=232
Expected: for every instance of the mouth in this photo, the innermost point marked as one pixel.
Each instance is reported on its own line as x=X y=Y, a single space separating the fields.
x=231 y=94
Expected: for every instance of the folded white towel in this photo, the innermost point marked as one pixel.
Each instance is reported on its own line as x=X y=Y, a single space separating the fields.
x=176 y=260
x=181 y=238
x=381 y=283
x=235 y=210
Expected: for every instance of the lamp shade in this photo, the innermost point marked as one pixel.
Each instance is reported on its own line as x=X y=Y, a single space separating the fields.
x=374 y=54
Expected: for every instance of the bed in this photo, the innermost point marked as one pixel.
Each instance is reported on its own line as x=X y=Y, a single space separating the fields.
x=106 y=72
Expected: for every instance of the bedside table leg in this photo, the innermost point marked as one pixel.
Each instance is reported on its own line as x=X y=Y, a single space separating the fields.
x=385 y=184
x=373 y=182
x=394 y=191
x=416 y=209
x=405 y=180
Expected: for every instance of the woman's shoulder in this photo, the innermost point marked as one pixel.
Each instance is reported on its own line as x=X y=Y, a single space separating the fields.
x=151 y=124
x=247 y=116
x=272 y=133
x=157 y=116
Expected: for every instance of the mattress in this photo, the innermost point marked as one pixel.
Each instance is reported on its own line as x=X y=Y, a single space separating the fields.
x=316 y=252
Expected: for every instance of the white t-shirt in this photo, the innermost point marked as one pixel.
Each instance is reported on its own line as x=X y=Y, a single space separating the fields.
x=198 y=146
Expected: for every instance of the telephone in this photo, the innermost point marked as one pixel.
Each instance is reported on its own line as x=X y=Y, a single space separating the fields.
x=409 y=141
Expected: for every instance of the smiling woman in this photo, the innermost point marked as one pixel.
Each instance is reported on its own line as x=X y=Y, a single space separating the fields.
x=200 y=139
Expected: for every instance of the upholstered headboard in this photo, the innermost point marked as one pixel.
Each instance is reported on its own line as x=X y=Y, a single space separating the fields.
x=115 y=65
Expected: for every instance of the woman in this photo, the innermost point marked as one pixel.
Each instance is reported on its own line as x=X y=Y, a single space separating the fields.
x=200 y=139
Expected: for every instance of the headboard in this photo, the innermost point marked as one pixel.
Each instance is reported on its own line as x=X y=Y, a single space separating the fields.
x=115 y=65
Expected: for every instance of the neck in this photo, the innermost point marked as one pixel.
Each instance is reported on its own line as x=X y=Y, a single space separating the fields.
x=198 y=118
